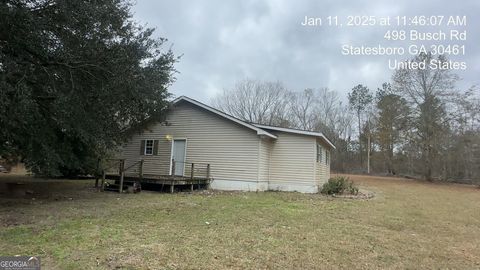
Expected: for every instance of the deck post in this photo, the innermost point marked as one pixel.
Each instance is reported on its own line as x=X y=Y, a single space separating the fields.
x=192 y=173
x=140 y=171
x=172 y=184
x=96 y=173
x=103 y=180
x=208 y=176
x=208 y=171
x=122 y=173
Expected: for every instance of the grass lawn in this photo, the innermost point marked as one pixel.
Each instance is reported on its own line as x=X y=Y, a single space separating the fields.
x=407 y=224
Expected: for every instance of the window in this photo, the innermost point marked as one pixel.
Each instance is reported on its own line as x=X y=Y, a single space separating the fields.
x=319 y=153
x=148 y=147
x=327 y=157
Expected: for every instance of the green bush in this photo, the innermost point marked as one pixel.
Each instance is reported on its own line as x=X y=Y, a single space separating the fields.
x=339 y=185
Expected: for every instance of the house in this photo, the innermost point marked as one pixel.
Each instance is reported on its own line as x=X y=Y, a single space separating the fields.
x=242 y=155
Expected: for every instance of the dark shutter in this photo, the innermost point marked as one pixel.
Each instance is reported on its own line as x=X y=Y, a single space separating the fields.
x=142 y=148
x=155 y=147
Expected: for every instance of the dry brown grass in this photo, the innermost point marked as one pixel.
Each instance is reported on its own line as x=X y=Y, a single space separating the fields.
x=407 y=224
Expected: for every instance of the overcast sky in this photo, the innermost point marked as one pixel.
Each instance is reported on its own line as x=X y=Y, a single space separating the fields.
x=226 y=41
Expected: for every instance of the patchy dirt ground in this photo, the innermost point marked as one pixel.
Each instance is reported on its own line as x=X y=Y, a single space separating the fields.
x=408 y=224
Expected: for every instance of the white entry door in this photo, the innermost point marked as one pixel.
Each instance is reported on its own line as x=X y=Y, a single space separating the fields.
x=178 y=155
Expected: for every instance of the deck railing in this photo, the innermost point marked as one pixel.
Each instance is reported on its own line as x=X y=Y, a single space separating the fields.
x=191 y=169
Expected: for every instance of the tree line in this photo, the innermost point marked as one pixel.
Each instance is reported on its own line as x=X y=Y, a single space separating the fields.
x=418 y=124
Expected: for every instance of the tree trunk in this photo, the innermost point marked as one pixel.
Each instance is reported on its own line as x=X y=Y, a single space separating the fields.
x=368 y=153
x=428 y=166
x=360 y=139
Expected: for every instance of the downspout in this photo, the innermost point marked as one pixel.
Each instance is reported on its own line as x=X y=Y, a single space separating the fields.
x=315 y=163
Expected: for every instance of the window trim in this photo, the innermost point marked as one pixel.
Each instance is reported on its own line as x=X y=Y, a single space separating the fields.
x=319 y=153
x=146 y=146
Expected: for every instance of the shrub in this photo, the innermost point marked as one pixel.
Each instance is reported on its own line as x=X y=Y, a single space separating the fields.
x=339 y=185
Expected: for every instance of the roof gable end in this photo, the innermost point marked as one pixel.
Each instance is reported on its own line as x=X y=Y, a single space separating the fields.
x=298 y=131
x=259 y=131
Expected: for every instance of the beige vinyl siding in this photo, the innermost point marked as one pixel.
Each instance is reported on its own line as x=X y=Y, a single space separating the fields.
x=322 y=173
x=231 y=149
x=292 y=160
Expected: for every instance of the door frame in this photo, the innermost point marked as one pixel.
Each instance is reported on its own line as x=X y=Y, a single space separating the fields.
x=171 y=153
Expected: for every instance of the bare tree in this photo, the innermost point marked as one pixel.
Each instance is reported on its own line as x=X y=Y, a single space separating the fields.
x=319 y=110
x=256 y=101
x=302 y=106
x=328 y=105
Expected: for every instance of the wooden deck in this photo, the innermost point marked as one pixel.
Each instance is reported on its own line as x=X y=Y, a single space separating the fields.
x=164 y=180
x=159 y=179
x=124 y=178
